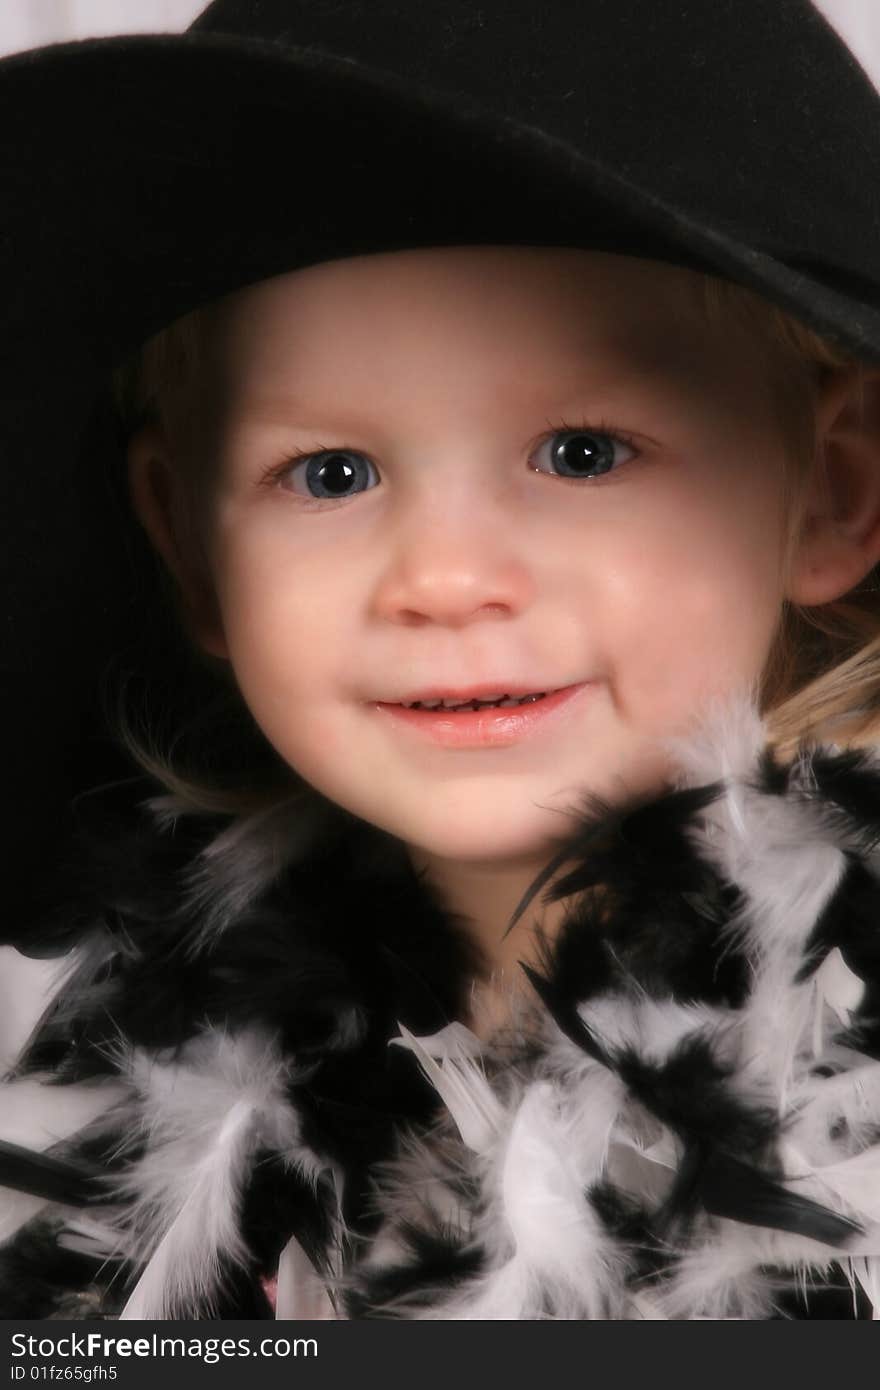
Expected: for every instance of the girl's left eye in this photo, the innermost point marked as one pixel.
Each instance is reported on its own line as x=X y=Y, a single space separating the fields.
x=582 y=453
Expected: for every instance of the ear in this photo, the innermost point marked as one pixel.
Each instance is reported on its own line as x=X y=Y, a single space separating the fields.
x=839 y=541
x=158 y=495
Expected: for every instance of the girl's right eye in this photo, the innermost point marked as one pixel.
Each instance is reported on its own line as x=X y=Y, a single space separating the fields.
x=331 y=474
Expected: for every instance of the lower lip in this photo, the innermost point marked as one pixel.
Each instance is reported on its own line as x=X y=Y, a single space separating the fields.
x=484 y=728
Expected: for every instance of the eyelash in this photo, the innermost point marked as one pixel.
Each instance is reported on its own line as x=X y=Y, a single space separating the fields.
x=275 y=471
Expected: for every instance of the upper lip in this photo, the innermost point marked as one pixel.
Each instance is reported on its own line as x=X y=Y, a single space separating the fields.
x=486 y=691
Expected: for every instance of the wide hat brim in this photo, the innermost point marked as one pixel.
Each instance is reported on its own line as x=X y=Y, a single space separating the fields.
x=145 y=175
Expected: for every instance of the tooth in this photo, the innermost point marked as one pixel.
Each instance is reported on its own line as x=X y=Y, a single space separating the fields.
x=496 y=701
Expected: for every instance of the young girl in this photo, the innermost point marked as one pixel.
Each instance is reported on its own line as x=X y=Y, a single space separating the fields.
x=529 y=969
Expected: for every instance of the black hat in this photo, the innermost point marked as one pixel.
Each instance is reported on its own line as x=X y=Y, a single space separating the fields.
x=145 y=175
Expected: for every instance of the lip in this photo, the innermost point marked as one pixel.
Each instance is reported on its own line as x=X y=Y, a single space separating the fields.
x=482 y=728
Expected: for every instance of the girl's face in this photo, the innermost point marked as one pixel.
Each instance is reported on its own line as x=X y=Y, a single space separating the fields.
x=492 y=471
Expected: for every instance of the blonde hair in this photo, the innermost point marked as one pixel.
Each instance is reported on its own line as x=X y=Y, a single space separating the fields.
x=155 y=386
x=822 y=677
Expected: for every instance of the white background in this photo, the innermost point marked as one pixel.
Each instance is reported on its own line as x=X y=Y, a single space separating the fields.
x=30 y=23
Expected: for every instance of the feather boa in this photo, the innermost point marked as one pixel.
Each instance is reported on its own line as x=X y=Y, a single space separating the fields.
x=682 y=1121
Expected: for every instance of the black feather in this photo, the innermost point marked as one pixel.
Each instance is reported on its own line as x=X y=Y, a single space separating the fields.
x=439 y=1262
x=691 y=1092
x=850 y=781
x=740 y=1192
x=566 y=1017
x=42 y=1175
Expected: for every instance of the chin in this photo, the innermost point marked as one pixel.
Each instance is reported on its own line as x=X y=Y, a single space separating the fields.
x=480 y=839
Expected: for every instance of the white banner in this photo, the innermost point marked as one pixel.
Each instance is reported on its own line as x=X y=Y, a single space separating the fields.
x=30 y=23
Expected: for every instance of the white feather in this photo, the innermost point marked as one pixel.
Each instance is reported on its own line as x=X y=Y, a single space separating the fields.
x=837 y=988
x=724 y=741
x=787 y=869
x=835 y=1116
x=546 y=1245
x=16 y=1209
x=300 y=1292
x=653 y=1027
x=37 y=1115
x=853 y=1185
x=27 y=987
x=718 y=1279
x=867 y=1272
x=459 y=1081
x=542 y=1187
x=204 y=1115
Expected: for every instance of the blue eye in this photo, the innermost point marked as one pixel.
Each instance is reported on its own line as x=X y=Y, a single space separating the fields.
x=583 y=453
x=336 y=474
x=333 y=473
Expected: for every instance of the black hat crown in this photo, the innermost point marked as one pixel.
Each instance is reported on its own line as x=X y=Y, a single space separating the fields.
x=717 y=107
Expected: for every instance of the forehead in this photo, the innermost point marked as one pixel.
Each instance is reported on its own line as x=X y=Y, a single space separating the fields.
x=497 y=319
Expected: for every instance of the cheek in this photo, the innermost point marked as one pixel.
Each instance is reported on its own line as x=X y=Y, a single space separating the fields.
x=286 y=618
x=693 y=595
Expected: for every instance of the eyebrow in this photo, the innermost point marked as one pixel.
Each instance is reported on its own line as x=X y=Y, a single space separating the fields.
x=299 y=411
x=634 y=365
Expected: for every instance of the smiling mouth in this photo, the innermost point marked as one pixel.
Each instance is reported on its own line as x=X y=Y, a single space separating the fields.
x=484 y=720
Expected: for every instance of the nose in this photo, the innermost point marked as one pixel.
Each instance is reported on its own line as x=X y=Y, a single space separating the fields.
x=454 y=570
